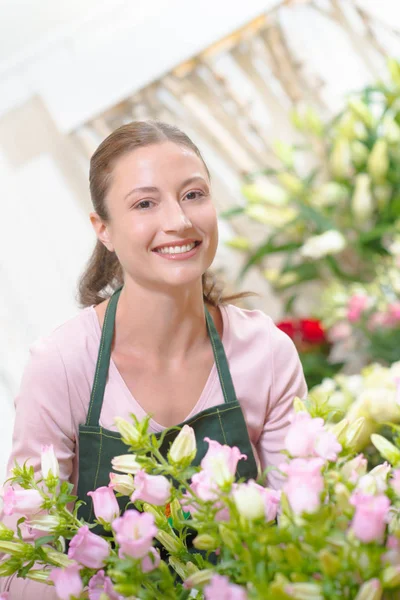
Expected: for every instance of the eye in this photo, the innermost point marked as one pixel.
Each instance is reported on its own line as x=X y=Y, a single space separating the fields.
x=194 y=195
x=143 y=205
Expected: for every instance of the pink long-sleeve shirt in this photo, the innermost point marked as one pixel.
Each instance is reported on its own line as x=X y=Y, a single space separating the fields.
x=56 y=386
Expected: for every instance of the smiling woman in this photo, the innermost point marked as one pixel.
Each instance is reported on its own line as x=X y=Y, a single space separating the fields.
x=155 y=336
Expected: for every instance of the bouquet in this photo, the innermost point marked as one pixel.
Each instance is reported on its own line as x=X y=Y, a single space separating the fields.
x=332 y=532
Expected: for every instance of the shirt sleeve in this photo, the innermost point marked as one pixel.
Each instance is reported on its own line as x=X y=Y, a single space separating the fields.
x=287 y=382
x=42 y=416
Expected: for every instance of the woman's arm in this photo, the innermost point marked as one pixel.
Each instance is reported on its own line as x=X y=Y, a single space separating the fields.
x=287 y=383
x=43 y=416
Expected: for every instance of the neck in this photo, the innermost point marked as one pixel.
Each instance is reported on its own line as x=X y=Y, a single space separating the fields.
x=163 y=326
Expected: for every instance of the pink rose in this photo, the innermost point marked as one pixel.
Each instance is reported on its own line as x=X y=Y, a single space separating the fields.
x=150 y=561
x=369 y=520
x=220 y=588
x=89 y=549
x=105 y=504
x=304 y=484
x=134 y=533
x=25 y=502
x=99 y=584
x=154 y=489
x=67 y=582
x=357 y=304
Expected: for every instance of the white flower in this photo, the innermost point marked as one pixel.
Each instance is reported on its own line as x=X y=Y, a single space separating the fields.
x=362 y=201
x=249 y=501
x=262 y=190
x=183 y=449
x=49 y=462
x=318 y=246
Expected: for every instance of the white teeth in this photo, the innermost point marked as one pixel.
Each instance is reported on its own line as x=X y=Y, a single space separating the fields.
x=176 y=249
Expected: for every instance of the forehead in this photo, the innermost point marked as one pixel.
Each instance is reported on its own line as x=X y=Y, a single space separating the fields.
x=157 y=164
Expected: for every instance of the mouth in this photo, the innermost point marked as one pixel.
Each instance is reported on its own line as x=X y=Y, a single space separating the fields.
x=175 y=250
x=176 y=253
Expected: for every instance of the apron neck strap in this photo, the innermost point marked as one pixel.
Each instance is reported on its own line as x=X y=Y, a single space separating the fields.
x=104 y=357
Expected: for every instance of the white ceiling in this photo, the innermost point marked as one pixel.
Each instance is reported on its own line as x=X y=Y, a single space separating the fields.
x=28 y=25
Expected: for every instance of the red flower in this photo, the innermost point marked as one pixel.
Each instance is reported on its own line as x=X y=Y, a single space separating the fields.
x=288 y=327
x=312 y=331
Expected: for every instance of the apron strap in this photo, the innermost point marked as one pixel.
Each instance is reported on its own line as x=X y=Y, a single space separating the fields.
x=104 y=357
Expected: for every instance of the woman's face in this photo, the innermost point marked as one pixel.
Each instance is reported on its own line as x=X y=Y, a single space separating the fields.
x=162 y=222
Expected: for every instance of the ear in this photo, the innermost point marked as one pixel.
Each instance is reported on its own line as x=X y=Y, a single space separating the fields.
x=101 y=230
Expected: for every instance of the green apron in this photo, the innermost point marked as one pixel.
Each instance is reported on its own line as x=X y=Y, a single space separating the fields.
x=97 y=446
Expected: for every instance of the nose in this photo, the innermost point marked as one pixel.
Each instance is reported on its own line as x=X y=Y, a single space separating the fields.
x=175 y=218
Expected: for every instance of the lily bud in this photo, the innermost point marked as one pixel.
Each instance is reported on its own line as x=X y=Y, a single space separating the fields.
x=200 y=578
x=44 y=522
x=362 y=201
x=126 y=463
x=370 y=590
x=159 y=517
x=183 y=449
x=49 y=463
x=205 y=541
x=14 y=548
x=172 y=544
x=329 y=194
x=58 y=558
x=262 y=191
x=359 y=153
x=299 y=405
x=382 y=194
x=179 y=567
x=342 y=497
x=378 y=161
x=339 y=430
x=394 y=70
x=386 y=449
x=391 y=577
x=227 y=536
x=330 y=564
x=239 y=243
x=123 y=484
x=391 y=131
x=354 y=468
x=131 y=436
x=304 y=591
x=291 y=183
x=39 y=575
x=340 y=159
x=361 y=111
x=358 y=434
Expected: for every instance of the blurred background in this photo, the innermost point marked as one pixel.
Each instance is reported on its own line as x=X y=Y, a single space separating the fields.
x=295 y=105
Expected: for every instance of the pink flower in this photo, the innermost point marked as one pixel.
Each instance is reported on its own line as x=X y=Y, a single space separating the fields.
x=357 y=304
x=326 y=446
x=25 y=502
x=307 y=437
x=394 y=312
x=154 y=489
x=218 y=469
x=339 y=331
x=377 y=320
x=89 y=549
x=4 y=596
x=99 y=584
x=67 y=582
x=392 y=556
x=369 y=520
x=105 y=504
x=150 y=561
x=134 y=533
x=304 y=484
x=220 y=588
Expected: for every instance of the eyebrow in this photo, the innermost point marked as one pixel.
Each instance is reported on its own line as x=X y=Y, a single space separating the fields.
x=151 y=189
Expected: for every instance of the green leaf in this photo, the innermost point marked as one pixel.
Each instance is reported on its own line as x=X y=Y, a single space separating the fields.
x=232 y=212
x=308 y=213
x=46 y=539
x=265 y=250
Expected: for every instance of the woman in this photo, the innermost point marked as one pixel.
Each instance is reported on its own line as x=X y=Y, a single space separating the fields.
x=162 y=343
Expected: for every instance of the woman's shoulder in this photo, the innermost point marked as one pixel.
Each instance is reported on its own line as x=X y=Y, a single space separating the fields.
x=72 y=340
x=253 y=328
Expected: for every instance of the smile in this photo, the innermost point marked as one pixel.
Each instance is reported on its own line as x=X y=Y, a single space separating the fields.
x=177 y=252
